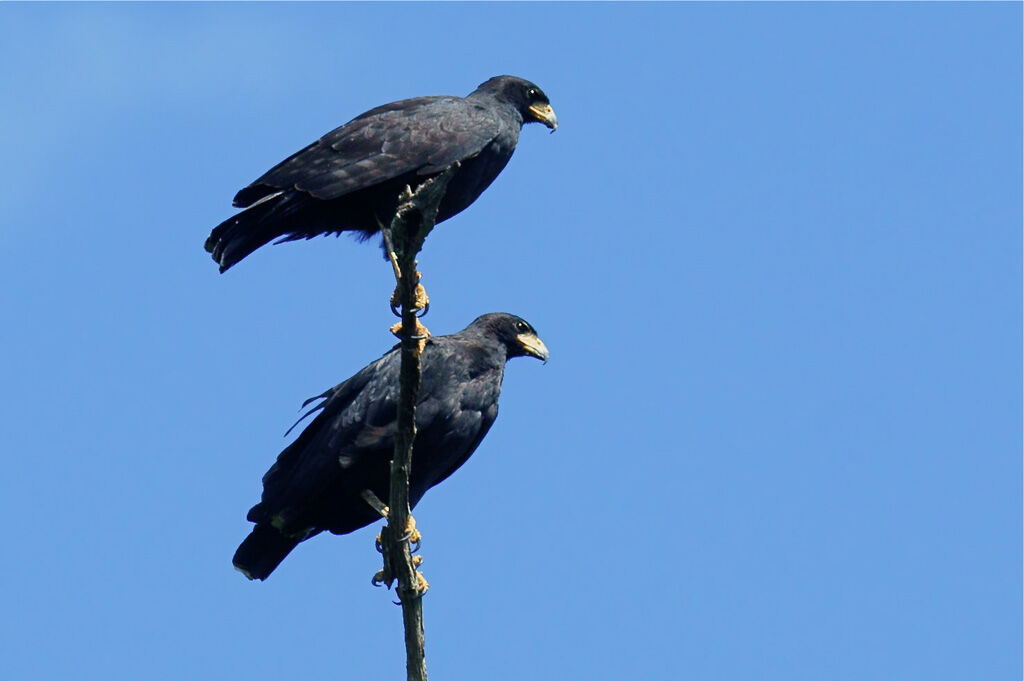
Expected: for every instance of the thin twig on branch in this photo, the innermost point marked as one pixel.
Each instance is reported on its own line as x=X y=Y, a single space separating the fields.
x=404 y=237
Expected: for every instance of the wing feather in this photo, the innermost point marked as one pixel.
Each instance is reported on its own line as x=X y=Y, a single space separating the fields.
x=420 y=135
x=310 y=463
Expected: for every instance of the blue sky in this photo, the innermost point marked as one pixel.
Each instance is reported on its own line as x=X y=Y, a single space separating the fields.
x=775 y=250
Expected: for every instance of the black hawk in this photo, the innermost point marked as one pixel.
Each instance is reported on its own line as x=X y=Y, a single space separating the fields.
x=317 y=482
x=350 y=179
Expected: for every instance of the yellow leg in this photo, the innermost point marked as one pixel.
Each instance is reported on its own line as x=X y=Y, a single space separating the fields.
x=394 y=264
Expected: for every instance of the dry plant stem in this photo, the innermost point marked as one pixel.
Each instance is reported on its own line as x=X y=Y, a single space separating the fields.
x=412 y=222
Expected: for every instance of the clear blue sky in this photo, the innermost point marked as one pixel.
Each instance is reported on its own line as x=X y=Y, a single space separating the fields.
x=775 y=251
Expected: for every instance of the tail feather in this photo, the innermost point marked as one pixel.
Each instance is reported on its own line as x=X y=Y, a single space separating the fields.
x=238 y=236
x=262 y=551
x=283 y=215
x=290 y=215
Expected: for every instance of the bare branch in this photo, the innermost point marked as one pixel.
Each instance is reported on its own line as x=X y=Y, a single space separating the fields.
x=404 y=238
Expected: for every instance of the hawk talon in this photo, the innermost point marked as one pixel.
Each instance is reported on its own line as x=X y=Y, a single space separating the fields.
x=422 y=299
x=382 y=579
x=422 y=585
x=412 y=535
x=420 y=312
x=420 y=335
x=420 y=307
x=420 y=588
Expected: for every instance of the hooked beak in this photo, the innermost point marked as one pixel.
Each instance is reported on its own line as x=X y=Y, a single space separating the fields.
x=545 y=114
x=534 y=347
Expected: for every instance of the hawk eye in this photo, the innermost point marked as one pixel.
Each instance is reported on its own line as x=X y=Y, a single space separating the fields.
x=522 y=327
x=531 y=93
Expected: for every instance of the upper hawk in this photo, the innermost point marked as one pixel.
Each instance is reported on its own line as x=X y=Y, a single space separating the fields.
x=350 y=179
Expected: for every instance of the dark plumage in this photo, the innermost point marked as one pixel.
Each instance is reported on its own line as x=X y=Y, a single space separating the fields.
x=317 y=482
x=350 y=178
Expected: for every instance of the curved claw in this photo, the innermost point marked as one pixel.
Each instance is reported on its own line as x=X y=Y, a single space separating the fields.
x=412 y=534
x=381 y=579
x=420 y=312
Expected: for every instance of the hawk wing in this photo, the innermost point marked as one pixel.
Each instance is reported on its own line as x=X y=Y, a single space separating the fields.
x=422 y=135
